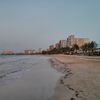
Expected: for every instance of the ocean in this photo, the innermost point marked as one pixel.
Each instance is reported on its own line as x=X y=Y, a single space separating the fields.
x=27 y=78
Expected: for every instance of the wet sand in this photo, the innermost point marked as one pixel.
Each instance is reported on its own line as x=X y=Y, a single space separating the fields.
x=81 y=80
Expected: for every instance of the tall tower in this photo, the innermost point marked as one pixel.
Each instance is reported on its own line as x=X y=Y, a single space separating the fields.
x=70 y=40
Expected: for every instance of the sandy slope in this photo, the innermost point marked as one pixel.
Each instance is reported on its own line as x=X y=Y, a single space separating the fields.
x=81 y=80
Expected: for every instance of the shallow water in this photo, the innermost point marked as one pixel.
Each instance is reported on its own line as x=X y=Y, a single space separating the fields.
x=27 y=78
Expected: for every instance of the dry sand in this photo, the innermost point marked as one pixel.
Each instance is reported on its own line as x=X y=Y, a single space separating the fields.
x=81 y=80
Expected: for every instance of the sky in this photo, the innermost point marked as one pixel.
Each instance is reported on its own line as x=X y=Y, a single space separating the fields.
x=32 y=24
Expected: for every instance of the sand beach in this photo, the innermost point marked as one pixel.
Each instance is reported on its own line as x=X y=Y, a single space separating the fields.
x=81 y=80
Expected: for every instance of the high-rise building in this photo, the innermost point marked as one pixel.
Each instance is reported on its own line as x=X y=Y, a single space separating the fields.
x=57 y=46
x=71 y=40
x=51 y=47
x=62 y=43
x=81 y=41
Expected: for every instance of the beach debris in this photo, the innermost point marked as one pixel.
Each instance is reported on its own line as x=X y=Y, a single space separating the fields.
x=61 y=81
x=69 y=87
x=76 y=93
x=72 y=98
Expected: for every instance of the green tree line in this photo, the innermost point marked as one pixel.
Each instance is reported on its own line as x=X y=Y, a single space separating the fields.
x=86 y=49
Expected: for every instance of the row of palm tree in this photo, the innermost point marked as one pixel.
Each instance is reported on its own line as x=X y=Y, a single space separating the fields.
x=87 y=49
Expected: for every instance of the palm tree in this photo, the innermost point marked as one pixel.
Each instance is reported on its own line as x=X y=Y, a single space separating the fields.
x=89 y=47
x=85 y=47
x=75 y=47
x=67 y=50
x=92 y=45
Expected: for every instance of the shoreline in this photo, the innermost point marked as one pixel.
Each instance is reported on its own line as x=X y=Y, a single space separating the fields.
x=36 y=80
x=81 y=80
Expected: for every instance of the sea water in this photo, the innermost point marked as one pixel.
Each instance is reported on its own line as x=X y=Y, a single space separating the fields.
x=27 y=78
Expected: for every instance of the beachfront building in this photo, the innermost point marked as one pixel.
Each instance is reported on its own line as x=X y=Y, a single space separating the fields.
x=40 y=50
x=57 y=46
x=51 y=47
x=71 y=40
x=62 y=43
x=7 y=52
x=81 y=41
x=29 y=51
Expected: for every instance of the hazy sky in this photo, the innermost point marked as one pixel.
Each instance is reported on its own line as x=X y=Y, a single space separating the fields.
x=38 y=23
